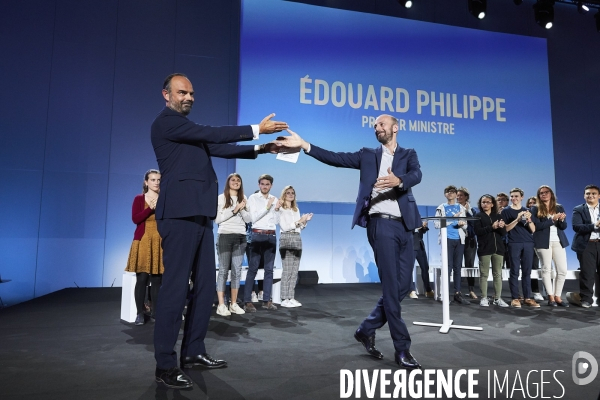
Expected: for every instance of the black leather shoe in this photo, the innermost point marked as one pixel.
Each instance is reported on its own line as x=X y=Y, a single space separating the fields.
x=173 y=378
x=203 y=360
x=368 y=342
x=406 y=360
x=140 y=319
x=562 y=304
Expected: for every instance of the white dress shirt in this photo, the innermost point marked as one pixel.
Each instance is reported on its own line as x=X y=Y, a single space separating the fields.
x=595 y=214
x=287 y=218
x=385 y=201
x=262 y=217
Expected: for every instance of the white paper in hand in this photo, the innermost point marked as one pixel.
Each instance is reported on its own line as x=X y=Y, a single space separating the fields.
x=291 y=157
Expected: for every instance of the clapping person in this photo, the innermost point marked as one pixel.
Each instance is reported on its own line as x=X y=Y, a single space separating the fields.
x=462 y=197
x=490 y=232
x=145 y=255
x=456 y=230
x=290 y=243
x=520 y=229
x=550 y=242
x=232 y=217
x=535 y=285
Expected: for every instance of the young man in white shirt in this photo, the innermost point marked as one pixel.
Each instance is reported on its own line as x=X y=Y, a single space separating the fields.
x=264 y=242
x=586 y=243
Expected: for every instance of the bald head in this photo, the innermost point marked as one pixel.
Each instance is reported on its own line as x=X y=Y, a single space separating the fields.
x=178 y=92
x=386 y=129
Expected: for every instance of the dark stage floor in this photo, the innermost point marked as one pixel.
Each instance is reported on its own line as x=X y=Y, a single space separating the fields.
x=72 y=345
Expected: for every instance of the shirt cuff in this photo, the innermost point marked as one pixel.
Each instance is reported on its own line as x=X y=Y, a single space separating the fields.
x=308 y=150
x=255 y=132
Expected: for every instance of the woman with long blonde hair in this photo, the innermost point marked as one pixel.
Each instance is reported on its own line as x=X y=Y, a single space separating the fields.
x=290 y=244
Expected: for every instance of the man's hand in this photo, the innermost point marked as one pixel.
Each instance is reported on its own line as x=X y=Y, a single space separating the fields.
x=268 y=126
x=292 y=143
x=270 y=202
x=386 y=182
x=273 y=148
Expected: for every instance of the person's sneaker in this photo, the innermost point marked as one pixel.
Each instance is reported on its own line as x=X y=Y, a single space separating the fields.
x=459 y=299
x=585 y=304
x=538 y=297
x=269 y=305
x=515 y=303
x=249 y=307
x=472 y=295
x=531 y=303
x=295 y=303
x=254 y=298
x=500 y=303
x=484 y=302
x=286 y=303
x=260 y=296
x=430 y=294
x=413 y=295
x=222 y=310
x=140 y=319
x=234 y=308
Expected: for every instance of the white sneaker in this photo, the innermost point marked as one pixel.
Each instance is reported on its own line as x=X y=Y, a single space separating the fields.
x=500 y=303
x=538 y=297
x=222 y=310
x=235 y=309
x=295 y=303
x=254 y=298
x=286 y=303
x=260 y=297
x=484 y=302
x=413 y=295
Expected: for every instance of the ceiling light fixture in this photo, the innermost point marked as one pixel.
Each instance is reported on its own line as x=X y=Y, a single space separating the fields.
x=478 y=8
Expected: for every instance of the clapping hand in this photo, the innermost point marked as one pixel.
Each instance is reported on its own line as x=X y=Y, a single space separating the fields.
x=270 y=202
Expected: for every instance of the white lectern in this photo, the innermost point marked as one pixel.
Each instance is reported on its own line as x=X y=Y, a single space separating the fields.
x=446 y=321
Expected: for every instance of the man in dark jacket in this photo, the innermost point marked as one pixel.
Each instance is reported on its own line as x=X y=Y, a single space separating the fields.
x=184 y=213
x=586 y=243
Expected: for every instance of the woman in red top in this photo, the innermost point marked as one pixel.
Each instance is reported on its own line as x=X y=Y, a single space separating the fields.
x=145 y=256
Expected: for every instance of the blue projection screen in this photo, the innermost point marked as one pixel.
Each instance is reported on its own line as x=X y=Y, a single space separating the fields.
x=475 y=105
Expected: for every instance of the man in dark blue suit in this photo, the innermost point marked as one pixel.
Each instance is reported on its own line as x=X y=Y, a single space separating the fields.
x=386 y=207
x=184 y=213
x=586 y=243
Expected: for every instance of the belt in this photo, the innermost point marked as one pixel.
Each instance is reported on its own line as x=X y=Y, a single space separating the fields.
x=386 y=216
x=594 y=240
x=263 y=231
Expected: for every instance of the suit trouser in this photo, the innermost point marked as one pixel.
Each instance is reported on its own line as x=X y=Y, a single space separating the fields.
x=521 y=256
x=469 y=253
x=589 y=266
x=188 y=248
x=263 y=249
x=421 y=257
x=392 y=246
x=455 y=255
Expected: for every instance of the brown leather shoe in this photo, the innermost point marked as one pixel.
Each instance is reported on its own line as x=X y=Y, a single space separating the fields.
x=249 y=308
x=430 y=294
x=515 y=303
x=531 y=303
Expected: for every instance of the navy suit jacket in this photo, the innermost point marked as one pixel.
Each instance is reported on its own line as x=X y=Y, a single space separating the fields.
x=183 y=149
x=405 y=166
x=583 y=227
x=541 y=236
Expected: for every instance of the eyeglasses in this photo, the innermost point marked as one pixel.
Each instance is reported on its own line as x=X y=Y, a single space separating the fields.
x=451 y=191
x=546 y=192
x=486 y=202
